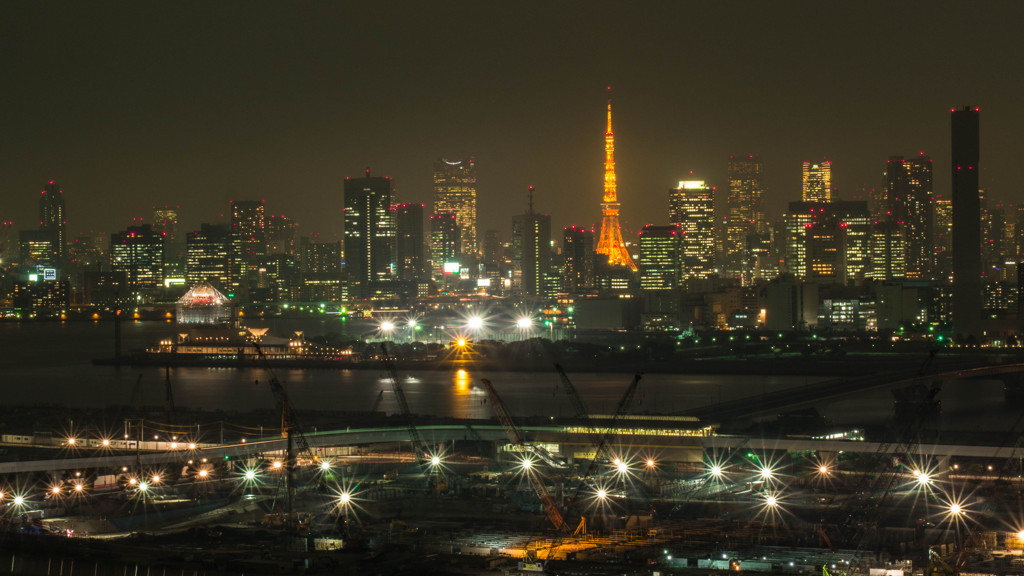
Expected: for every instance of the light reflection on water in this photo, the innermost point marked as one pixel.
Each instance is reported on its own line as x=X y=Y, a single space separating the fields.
x=50 y=363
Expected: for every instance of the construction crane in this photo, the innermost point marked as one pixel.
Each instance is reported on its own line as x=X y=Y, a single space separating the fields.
x=292 y=430
x=517 y=439
x=601 y=452
x=419 y=448
x=577 y=404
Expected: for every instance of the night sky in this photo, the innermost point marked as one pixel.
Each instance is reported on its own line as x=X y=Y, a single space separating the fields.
x=132 y=105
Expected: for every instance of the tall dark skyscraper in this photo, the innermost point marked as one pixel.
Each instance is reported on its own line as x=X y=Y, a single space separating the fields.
x=444 y=242
x=533 y=235
x=53 y=219
x=410 y=244
x=369 y=233
x=578 y=252
x=909 y=204
x=966 y=155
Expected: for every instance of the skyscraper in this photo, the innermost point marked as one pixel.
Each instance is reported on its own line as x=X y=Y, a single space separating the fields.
x=744 y=215
x=410 y=242
x=208 y=256
x=248 y=240
x=966 y=155
x=909 y=203
x=165 y=222
x=660 y=257
x=282 y=235
x=138 y=252
x=455 y=192
x=578 y=251
x=534 y=242
x=53 y=219
x=444 y=242
x=369 y=233
x=817 y=182
x=691 y=206
x=610 y=242
x=828 y=240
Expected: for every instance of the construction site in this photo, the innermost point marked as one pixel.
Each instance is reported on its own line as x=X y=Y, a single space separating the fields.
x=618 y=493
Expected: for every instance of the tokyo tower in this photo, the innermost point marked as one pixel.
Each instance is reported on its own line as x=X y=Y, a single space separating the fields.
x=610 y=243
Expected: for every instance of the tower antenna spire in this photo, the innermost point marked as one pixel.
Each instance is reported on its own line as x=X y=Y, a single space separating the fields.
x=531 y=201
x=610 y=243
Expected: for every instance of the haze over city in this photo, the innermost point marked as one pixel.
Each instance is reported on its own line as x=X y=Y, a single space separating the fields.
x=130 y=106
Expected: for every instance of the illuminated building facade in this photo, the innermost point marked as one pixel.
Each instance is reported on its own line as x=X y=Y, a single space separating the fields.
x=610 y=242
x=138 y=252
x=208 y=256
x=42 y=298
x=745 y=218
x=455 y=193
x=369 y=233
x=966 y=155
x=909 y=203
x=409 y=243
x=660 y=257
x=578 y=252
x=817 y=182
x=829 y=241
x=38 y=248
x=692 y=208
x=887 y=251
x=203 y=304
x=321 y=271
x=52 y=218
x=445 y=236
x=165 y=222
x=248 y=240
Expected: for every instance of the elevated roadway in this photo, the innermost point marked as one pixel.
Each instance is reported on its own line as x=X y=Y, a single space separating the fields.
x=440 y=434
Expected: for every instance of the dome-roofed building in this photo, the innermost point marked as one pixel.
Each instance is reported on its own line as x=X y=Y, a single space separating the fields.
x=204 y=305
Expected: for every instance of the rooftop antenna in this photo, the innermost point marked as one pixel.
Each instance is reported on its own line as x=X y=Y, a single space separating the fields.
x=531 y=201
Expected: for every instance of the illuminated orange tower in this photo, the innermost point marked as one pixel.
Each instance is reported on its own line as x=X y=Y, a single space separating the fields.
x=610 y=243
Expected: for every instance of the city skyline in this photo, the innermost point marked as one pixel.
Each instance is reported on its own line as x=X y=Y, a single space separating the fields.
x=192 y=117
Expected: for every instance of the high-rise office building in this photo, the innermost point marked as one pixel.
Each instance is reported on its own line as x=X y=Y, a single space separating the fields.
x=660 y=257
x=165 y=222
x=138 y=252
x=282 y=235
x=445 y=237
x=53 y=218
x=248 y=240
x=610 y=242
x=578 y=253
x=887 y=251
x=369 y=233
x=817 y=182
x=455 y=193
x=966 y=154
x=942 y=236
x=828 y=240
x=493 y=249
x=38 y=248
x=410 y=244
x=691 y=206
x=208 y=256
x=533 y=235
x=745 y=216
x=909 y=203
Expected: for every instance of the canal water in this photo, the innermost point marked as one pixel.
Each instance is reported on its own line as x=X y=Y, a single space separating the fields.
x=51 y=363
